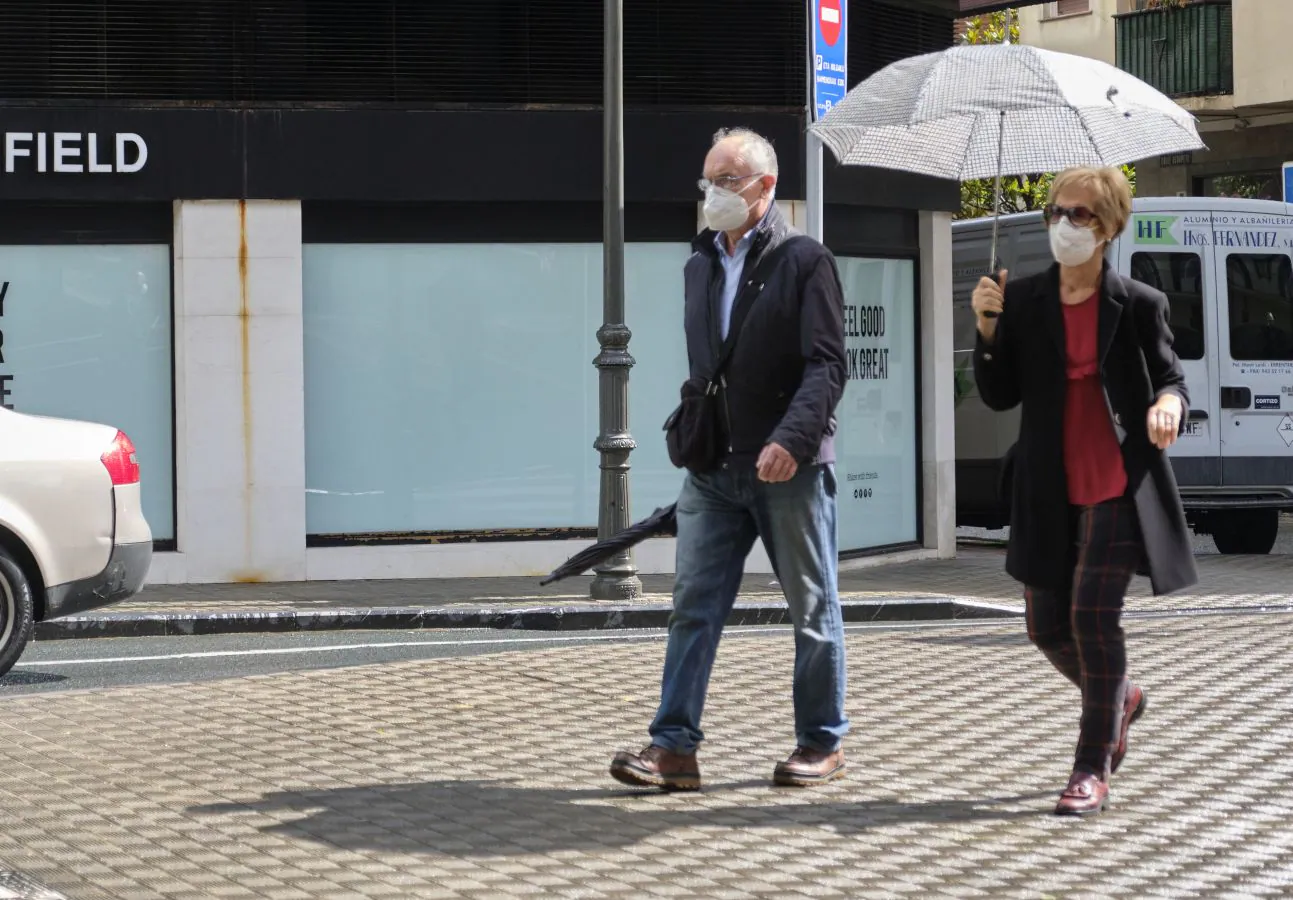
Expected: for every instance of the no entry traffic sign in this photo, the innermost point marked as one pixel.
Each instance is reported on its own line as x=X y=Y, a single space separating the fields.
x=829 y=54
x=829 y=19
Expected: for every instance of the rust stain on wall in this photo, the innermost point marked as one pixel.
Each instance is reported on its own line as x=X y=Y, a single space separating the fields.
x=244 y=334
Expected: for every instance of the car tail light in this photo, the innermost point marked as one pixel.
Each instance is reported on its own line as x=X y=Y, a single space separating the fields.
x=121 y=462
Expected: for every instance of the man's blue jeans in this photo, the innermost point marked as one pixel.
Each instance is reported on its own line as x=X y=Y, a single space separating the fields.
x=719 y=516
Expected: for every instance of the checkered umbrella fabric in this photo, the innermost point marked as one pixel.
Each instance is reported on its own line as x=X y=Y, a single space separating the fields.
x=977 y=111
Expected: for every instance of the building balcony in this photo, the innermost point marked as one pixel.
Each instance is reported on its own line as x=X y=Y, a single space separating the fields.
x=1183 y=51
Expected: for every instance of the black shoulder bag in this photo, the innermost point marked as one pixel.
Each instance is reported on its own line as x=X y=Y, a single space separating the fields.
x=695 y=432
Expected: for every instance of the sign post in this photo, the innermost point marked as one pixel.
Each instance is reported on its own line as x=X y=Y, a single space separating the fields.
x=828 y=54
x=1287 y=172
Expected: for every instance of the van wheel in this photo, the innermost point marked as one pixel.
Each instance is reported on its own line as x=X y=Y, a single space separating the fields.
x=1252 y=531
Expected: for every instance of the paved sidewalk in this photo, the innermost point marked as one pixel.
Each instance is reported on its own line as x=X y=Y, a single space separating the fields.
x=972 y=586
x=485 y=777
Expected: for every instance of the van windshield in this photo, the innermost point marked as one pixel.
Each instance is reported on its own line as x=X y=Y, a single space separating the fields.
x=1260 y=287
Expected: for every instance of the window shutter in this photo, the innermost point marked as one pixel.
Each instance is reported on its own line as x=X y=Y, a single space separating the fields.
x=677 y=53
x=883 y=33
x=1072 y=7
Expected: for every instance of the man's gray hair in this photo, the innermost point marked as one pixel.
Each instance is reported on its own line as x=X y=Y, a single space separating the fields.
x=753 y=147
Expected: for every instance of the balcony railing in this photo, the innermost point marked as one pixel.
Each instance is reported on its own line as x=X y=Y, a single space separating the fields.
x=1184 y=51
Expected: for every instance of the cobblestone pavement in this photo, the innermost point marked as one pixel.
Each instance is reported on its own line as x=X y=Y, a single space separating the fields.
x=484 y=777
x=976 y=574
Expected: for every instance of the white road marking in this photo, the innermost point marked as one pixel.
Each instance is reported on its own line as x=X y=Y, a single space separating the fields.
x=332 y=648
x=391 y=645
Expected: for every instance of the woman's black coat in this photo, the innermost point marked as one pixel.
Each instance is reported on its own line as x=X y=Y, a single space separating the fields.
x=1027 y=364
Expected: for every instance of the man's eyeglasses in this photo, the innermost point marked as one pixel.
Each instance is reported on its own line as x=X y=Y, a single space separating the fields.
x=1080 y=216
x=726 y=182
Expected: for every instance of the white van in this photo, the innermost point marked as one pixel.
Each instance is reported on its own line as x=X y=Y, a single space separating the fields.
x=1226 y=267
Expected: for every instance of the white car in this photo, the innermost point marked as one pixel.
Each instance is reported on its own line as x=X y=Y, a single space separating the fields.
x=72 y=534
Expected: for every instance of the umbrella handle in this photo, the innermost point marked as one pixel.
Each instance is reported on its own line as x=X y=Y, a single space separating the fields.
x=994 y=264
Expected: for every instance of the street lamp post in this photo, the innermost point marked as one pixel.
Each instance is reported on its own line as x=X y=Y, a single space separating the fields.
x=617 y=578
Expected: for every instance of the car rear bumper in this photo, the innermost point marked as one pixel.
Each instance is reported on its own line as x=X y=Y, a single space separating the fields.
x=121 y=579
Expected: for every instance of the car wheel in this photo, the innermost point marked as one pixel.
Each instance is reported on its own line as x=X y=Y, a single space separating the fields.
x=1252 y=531
x=15 y=611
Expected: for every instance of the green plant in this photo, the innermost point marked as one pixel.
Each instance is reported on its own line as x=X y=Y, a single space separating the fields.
x=1251 y=187
x=991 y=27
x=1023 y=193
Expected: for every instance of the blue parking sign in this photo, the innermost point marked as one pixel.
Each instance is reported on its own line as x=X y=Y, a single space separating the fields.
x=1288 y=182
x=830 y=53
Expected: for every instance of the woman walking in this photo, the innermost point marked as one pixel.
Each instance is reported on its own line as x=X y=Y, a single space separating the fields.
x=1089 y=356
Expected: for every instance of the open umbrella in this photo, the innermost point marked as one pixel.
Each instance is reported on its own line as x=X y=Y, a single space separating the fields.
x=662 y=522
x=980 y=110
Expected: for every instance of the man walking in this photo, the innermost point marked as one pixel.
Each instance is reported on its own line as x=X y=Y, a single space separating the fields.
x=776 y=295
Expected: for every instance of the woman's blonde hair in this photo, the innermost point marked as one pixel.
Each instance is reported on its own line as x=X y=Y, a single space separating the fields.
x=1110 y=193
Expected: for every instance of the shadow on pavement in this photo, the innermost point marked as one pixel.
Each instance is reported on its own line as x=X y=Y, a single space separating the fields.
x=491 y=818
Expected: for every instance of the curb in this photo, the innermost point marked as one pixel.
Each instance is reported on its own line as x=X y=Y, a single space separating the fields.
x=484 y=616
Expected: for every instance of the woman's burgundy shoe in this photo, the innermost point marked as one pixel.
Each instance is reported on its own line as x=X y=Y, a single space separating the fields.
x=1133 y=708
x=1086 y=795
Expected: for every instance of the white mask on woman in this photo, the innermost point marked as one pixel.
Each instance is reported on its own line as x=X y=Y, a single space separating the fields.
x=1071 y=245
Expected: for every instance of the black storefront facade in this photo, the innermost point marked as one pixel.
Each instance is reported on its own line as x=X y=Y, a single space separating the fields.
x=350 y=321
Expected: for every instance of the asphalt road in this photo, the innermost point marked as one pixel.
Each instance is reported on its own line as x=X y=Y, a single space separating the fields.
x=80 y=665
x=114 y=662
x=77 y=665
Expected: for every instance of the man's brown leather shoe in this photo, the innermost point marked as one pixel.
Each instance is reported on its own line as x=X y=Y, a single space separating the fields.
x=657 y=767
x=1133 y=707
x=1085 y=795
x=807 y=767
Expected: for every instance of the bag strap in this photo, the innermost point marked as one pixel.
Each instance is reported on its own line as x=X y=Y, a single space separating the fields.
x=738 y=322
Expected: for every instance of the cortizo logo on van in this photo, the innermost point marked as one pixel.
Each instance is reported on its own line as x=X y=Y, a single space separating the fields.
x=1267 y=401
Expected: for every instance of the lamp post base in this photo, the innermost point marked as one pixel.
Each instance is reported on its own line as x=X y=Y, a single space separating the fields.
x=613 y=585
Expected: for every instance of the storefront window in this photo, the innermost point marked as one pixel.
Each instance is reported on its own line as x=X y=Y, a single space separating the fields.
x=85 y=333
x=876 y=448
x=451 y=387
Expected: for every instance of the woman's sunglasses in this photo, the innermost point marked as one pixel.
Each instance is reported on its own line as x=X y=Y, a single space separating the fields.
x=1077 y=215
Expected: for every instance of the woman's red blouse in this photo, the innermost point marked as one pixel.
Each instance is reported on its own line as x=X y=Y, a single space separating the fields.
x=1092 y=455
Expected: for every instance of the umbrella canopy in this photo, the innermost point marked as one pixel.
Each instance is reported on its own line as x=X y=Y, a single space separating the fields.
x=976 y=111
x=661 y=522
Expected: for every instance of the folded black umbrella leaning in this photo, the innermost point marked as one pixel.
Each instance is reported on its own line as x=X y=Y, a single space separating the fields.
x=662 y=522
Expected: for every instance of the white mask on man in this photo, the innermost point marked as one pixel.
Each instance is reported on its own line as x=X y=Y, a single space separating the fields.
x=1071 y=245
x=726 y=210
